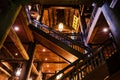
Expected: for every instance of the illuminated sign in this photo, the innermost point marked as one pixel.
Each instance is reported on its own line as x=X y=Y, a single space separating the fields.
x=75 y=22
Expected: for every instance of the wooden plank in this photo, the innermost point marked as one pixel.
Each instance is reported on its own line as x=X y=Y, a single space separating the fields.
x=23 y=19
x=7 y=22
x=30 y=61
x=90 y=35
x=12 y=56
x=7 y=65
x=5 y=71
x=18 y=44
x=34 y=69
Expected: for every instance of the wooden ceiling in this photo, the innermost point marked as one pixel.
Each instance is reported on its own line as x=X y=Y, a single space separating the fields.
x=98 y=35
x=15 y=47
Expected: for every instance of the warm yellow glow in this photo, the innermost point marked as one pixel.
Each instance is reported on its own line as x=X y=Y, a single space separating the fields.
x=105 y=30
x=44 y=50
x=75 y=22
x=46 y=59
x=30 y=78
x=47 y=65
x=60 y=27
x=38 y=17
x=16 y=28
x=29 y=7
x=59 y=76
x=18 y=72
x=16 y=54
x=5 y=71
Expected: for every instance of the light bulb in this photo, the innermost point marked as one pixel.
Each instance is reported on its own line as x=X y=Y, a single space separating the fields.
x=60 y=27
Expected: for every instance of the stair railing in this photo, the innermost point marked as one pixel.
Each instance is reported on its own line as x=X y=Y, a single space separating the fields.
x=79 y=46
x=81 y=70
x=87 y=66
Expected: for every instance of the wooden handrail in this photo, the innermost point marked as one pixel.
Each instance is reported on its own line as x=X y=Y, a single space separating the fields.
x=62 y=37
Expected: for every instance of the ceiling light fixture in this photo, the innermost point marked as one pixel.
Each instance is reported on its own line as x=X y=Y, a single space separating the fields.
x=47 y=65
x=60 y=26
x=49 y=71
x=105 y=29
x=44 y=50
x=29 y=7
x=16 y=28
x=18 y=72
x=46 y=59
x=16 y=54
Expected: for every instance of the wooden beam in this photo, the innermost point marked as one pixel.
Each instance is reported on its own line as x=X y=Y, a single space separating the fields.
x=34 y=70
x=39 y=67
x=7 y=65
x=7 y=22
x=93 y=26
x=23 y=19
x=58 y=47
x=54 y=17
x=113 y=22
x=64 y=69
x=56 y=62
x=29 y=66
x=50 y=17
x=3 y=70
x=11 y=55
x=18 y=44
x=15 y=60
x=67 y=16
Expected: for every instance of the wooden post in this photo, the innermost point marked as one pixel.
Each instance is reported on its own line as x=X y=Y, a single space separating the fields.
x=28 y=66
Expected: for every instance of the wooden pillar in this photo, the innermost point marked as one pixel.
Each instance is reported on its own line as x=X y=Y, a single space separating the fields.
x=84 y=25
x=28 y=65
x=39 y=67
x=82 y=19
x=113 y=22
x=7 y=21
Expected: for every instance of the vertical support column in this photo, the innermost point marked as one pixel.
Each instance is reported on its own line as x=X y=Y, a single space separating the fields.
x=39 y=77
x=113 y=22
x=82 y=22
x=28 y=14
x=84 y=25
x=82 y=19
x=28 y=65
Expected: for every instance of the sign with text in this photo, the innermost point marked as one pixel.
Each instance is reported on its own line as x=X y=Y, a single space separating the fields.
x=75 y=22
